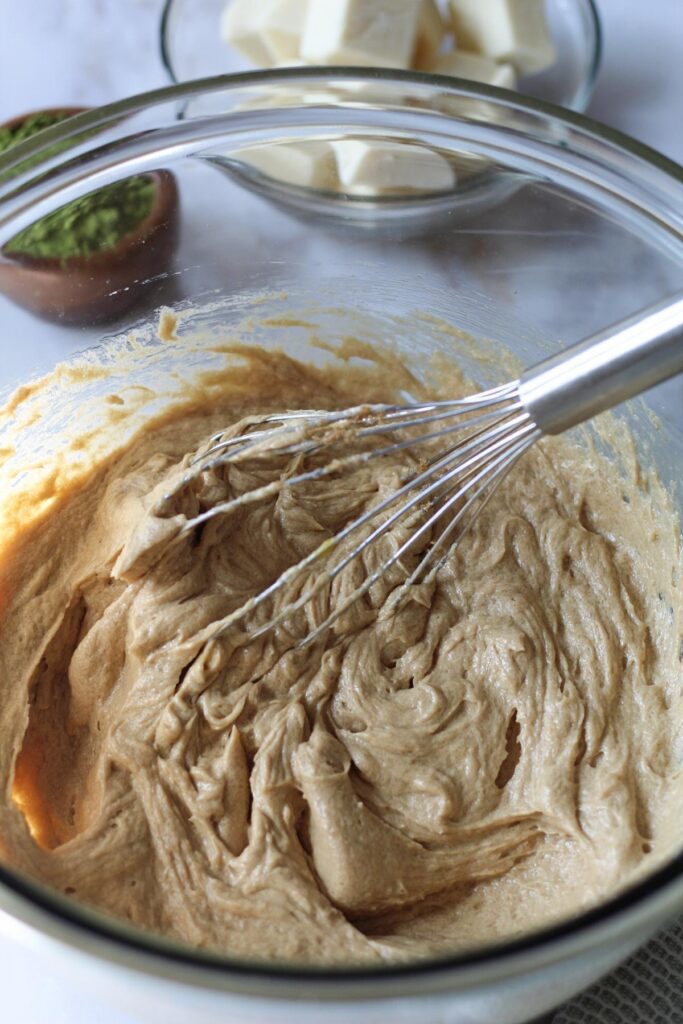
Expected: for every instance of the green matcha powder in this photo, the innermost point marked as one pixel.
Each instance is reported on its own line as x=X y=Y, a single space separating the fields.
x=86 y=226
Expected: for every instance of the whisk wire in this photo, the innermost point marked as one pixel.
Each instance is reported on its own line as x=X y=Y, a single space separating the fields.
x=446 y=409
x=386 y=565
x=487 y=488
x=480 y=449
x=330 y=469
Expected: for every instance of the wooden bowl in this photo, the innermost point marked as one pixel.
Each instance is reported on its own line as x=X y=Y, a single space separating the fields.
x=97 y=288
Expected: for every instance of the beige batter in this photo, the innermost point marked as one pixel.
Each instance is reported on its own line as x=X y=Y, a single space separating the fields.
x=498 y=754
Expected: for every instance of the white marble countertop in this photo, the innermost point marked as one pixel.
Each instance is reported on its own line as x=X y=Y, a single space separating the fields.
x=640 y=91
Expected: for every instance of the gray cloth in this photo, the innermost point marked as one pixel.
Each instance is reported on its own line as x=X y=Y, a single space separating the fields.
x=648 y=989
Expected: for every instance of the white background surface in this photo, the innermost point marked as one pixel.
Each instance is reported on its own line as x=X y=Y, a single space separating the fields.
x=87 y=52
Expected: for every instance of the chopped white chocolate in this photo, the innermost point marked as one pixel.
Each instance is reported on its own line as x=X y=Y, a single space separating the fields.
x=309 y=164
x=461 y=64
x=241 y=27
x=375 y=168
x=283 y=25
x=361 y=32
x=514 y=31
x=265 y=31
x=431 y=32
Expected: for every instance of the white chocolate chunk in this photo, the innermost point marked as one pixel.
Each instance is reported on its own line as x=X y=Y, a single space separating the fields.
x=307 y=164
x=376 y=168
x=265 y=31
x=514 y=31
x=462 y=64
x=361 y=32
x=283 y=25
x=240 y=27
x=431 y=32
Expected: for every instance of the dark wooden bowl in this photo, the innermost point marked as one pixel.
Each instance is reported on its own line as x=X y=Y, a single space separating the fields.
x=94 y=289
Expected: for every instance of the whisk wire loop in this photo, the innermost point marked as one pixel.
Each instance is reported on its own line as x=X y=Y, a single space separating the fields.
x=463 y=473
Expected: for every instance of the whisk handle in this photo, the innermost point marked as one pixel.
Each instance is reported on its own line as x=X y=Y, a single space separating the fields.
x=599 y=373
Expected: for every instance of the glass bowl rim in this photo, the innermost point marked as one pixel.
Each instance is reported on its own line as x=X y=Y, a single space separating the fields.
x=578 y=102
x=638 y=907
x=20 y=190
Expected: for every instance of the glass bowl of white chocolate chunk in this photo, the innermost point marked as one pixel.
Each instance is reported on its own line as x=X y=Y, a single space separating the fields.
x=548 y=49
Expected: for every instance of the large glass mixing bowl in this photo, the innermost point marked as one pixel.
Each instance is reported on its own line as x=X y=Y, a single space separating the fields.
x=570 y=228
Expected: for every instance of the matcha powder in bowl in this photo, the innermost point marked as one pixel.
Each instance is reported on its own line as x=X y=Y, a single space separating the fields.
x=88 y=225
x=12 y=135
x=92 y=258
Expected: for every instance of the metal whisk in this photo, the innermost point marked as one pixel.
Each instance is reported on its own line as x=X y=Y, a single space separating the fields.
x=477 y=440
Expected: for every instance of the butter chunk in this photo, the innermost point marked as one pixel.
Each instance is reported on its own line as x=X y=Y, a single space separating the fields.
x=374 y=168
x=306 y=164
x=267 y=32
x=361 y=32
x=513 y=31
x=461 y=64
x=431 y=32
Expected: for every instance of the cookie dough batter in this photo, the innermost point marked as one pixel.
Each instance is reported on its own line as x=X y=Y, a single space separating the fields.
x=498 y=754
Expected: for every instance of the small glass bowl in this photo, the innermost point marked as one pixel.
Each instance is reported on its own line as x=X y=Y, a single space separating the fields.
x=191 y=48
